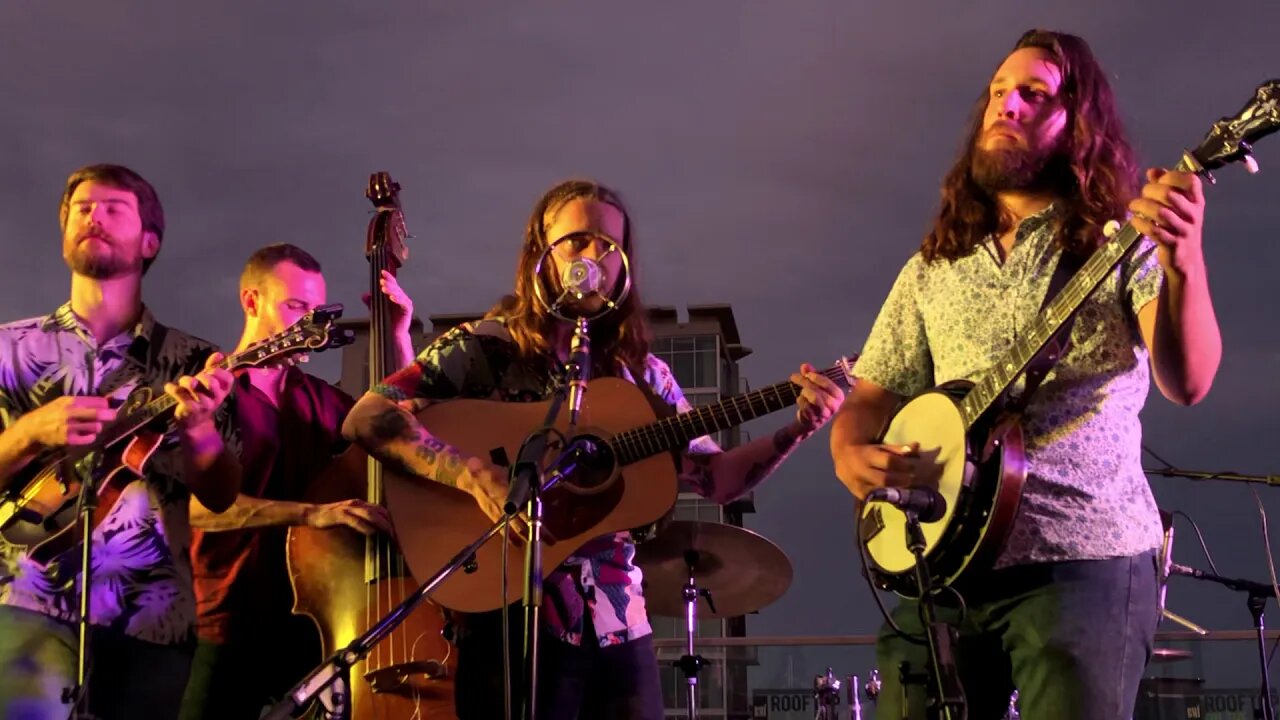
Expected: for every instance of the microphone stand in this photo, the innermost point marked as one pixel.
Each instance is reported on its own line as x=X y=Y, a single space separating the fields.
x=527 y=487
x=948 y=695
x=86 y=505
x=1258 y=594
x=1269 y=480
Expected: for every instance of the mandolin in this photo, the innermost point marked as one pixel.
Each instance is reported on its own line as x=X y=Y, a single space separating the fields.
x=40 y=514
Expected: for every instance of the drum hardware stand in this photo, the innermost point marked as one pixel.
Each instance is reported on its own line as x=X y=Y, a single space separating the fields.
x=690 y=663
x=1013 y=713
x=826 y=696
x=855 y=698
x=872 y=690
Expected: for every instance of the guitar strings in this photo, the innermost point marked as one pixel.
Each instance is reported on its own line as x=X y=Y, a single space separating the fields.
x=640 y=442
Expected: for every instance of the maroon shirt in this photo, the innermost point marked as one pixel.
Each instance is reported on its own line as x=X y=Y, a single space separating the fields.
x=241 y=579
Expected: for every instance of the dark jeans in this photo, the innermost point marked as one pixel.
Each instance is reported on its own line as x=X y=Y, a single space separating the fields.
x=1072 y=637
x=236 y=680
x=128 y=678
x=619 y=682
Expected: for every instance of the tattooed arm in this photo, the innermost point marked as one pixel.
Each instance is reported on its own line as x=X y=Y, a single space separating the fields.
x=251 y=512
x=391 y=434
x=724 y=476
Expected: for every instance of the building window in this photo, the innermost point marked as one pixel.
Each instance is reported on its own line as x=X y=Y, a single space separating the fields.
x=694 y=359
x=698 y=508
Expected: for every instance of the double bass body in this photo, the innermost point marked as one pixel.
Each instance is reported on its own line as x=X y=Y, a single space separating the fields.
x=345 y=583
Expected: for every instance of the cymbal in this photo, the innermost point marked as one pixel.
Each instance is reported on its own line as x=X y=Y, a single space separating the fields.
x=1165 y=654
x=743 y=571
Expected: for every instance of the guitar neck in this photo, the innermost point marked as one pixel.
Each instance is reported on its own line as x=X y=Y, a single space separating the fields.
x=675 y=432
x=1062 y=308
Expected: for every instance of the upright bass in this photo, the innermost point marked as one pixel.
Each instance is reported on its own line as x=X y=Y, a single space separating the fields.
x=346 y=582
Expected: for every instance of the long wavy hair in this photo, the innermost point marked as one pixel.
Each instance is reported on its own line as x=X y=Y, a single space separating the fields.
x=619 y=338
x=1093 y=177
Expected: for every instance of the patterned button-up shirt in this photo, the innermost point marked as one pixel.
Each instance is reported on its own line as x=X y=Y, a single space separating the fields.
x=140 y=580
x=480 y=361
x=1086 y=496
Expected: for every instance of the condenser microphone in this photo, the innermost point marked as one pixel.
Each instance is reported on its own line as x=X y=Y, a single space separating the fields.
x=582 y=277
x=927 y=504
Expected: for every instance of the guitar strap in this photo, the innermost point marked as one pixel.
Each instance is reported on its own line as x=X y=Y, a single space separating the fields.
x=140 y=359
x=660 y=406
x=662 y=410
x=1068 y=264
x=144 y=355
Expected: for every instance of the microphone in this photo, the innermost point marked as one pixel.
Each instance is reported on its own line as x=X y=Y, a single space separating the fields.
x=927 y=504
x=582 y=277
x=574 y=275
x=1176 y=569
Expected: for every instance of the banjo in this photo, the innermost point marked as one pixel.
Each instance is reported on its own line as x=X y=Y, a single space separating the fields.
x=972 y=443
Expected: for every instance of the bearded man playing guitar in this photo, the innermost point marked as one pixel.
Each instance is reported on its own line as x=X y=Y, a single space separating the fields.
x=597 y=658
x=62 y=379
x=1068 y=613
x=252 y=648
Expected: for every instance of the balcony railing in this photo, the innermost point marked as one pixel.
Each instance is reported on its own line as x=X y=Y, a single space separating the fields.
x=1212 y=677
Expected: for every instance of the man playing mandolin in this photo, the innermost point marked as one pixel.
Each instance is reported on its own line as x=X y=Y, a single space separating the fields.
x=252 y=648
x=597 y=657
x=1068 y=613
x=62 y=380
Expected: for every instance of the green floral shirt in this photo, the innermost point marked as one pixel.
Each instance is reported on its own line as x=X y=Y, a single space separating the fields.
x=1086 y=496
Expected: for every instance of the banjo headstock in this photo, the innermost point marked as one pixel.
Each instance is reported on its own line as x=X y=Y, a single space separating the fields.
x=1231 y=138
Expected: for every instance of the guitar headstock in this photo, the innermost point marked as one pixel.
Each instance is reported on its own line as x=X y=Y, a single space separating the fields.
x=314 y=332
x=1231 y=138
x=387 y=231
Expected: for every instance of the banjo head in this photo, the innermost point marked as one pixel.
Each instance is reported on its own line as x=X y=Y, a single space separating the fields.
x=933 y=420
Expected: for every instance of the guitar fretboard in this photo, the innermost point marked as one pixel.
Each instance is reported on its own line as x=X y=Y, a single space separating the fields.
x=675 y=432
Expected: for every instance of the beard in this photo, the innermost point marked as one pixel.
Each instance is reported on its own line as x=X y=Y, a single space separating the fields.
x=1018 y=169
x=103 y=261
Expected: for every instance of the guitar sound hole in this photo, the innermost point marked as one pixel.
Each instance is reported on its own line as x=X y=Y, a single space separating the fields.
x=587 y=495
x=595 y=467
